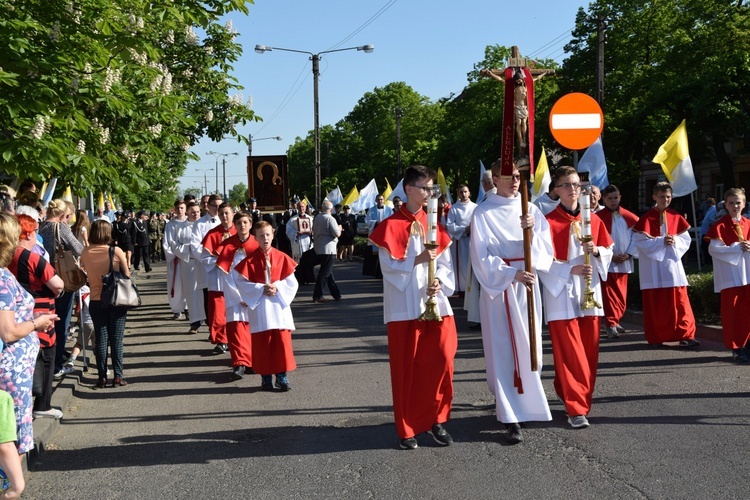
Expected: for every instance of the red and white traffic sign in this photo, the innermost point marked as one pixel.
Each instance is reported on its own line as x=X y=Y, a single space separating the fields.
x=576 y=121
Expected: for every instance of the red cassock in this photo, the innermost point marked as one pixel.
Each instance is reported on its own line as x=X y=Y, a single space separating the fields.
x=238 y=332
x=667 y=313
x=575 y=341
x=615 y=289
x=216 y=310
x=272 y=349
x=735 y=321
x=421 y=353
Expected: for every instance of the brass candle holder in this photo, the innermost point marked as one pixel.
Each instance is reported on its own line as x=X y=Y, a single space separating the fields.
x=588 y=302
x=431 y=311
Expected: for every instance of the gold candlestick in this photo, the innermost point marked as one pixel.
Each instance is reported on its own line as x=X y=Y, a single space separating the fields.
x=588 y=302
x=431 y=311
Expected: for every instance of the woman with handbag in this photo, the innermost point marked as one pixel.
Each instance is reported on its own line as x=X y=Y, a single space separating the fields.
x=109 y=322
x=55 y=232
x=18 y=328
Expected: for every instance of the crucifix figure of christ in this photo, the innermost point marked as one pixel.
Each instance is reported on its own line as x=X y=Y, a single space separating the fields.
x=520 y=94
x=518 y=115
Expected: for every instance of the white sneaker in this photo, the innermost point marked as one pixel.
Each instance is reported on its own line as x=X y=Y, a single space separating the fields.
x=578 y=422
x=64 y=371
x=619 y=328
x=51 y=413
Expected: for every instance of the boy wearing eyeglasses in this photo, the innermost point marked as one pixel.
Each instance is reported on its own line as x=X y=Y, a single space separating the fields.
x=661 y=237
x=420 y=352
x=574 y=331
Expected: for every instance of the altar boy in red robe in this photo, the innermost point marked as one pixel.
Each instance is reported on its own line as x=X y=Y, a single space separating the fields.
x=662 y=238
x=420 y=352
x=619 y=223
x=574 y=331
x=231 y=251
x=268 y=286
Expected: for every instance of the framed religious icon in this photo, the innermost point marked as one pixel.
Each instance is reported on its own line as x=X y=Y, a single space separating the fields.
x=268 y=182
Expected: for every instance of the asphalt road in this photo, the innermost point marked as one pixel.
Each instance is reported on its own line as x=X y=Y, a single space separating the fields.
x=666 y=423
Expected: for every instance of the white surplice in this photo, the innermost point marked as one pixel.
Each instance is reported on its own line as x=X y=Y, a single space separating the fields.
x=405 y=286
x=200 y=228
x=496 y=255
x=622 y=235
x=175 y=296
x=236 y=307
x=546 y=204
x=266 y=312
x=183 y=250
x=458 y=221
x=660 y=265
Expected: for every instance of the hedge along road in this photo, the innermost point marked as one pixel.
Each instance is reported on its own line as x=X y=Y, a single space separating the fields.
x=666 y=423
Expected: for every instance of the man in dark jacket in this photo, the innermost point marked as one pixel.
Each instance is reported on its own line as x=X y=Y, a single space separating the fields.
x=141 y=241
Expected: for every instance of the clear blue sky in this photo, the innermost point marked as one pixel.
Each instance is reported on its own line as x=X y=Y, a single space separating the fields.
x=429 y=44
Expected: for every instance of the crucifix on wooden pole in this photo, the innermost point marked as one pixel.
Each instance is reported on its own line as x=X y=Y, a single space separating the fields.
x=517 y=150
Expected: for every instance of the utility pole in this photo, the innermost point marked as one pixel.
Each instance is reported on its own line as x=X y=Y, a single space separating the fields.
x=399 y=114
x=601 y=37
x=224 y=174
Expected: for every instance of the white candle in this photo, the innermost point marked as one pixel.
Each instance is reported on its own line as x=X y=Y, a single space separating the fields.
x=432 y=220
x=585 y=202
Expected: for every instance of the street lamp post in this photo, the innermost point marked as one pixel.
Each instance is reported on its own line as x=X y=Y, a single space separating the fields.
x=205 y=182
x=224 y=169
x=251 y=139
x=315 y=58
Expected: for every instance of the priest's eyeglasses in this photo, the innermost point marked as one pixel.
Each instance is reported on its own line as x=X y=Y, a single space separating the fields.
x=568 y=185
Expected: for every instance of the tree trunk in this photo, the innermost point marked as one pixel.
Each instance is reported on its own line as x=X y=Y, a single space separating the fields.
x=726 y=164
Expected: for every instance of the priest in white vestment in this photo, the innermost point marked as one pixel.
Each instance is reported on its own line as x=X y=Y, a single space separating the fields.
x=458 y=225
x=299 y=231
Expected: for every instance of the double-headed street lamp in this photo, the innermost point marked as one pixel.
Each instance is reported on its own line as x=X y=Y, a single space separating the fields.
x=251 y=139
x=315 y=58
x=205 y=182
x=224 y=168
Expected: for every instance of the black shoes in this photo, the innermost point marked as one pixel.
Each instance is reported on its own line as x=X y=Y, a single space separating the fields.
x=690 y=343
x=238 y=372
x=740 y=356
x=409 y=444
x=282 y=383
x=441 y=436
x=265 y=383
x=515 y=435
x=221 y=348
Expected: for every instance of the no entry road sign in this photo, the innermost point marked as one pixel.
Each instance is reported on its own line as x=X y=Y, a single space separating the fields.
x=576 y=121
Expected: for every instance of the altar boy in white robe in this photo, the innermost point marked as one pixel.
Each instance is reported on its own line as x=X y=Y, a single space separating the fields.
x=174 y=282
x=183 y=250
x=458 y=225
x=497 y=260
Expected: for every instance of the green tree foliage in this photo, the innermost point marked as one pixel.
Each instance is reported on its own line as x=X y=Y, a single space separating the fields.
x=363 y=145
x=664 y=62
x=110 y=94
x=237 y=194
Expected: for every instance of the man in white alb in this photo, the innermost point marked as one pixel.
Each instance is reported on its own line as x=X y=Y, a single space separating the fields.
x=497 y=259
x=459 y=227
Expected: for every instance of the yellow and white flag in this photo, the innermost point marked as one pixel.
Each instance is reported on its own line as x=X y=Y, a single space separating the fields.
x=351 y=197
x=542 y=179
x=387 y=193
x=100 y=202
x=674 y=158
x=443 y=185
